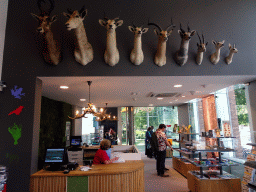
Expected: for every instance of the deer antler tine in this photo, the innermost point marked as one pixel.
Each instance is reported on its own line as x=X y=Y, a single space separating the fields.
x=199 y=37
x=203 y=37
x=82 y=9
x=234 y=45
x=70 y=11
x=133 y=24
x=159 y=28
x=170 y=25
x=181 y=29
x=105 y=18
x=52 y=6
x=188 y=27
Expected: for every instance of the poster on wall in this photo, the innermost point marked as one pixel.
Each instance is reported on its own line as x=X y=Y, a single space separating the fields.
x=226 y=128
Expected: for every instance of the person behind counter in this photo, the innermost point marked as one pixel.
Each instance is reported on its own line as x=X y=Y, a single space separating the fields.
x=101 y=156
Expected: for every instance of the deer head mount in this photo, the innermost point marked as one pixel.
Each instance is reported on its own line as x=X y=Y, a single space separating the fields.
x=83 y=49
x=181 y=56
x=111 y=55
x=160 y=56
x=51 y=52
x=215 y=57
x=201 y=48
x=137 y=55
x=232 y=51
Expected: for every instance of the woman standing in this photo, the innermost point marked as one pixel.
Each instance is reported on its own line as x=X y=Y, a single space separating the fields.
x=148 y=150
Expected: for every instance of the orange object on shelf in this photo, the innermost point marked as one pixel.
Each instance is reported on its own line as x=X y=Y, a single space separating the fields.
x=170 y=141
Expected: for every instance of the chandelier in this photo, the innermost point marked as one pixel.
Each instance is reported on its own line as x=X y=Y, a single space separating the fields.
x=91 y=109
x=104 y=116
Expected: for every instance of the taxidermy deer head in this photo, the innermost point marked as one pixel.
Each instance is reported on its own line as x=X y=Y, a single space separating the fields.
x=232 y=50
x=83 y=49
x=160 y=56
x=181 y=55
x=137 y=55
x=51 y=52
x=201 y=49
x=111 y=55
x=215 y=57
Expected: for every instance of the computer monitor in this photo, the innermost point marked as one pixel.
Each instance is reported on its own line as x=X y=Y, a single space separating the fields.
x=56 y=157
x=75 y=141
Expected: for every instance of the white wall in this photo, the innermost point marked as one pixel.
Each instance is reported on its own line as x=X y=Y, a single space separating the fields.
x=3 y=16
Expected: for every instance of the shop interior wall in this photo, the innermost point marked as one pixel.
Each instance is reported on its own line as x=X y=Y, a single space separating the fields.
x=232 y=21
x=183 y=116
x=54 y=115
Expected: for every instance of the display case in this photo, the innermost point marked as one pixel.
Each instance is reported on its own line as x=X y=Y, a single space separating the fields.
x=210 y=161
x=180 y=142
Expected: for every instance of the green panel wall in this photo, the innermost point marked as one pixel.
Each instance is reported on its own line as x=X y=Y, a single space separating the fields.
x=77 y=184
x=54 y=115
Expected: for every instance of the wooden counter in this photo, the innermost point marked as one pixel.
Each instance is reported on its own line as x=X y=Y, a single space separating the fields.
x=183 y=167
x=211 y=185
x=123 y=177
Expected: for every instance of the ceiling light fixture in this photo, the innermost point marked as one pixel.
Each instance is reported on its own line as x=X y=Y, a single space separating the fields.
x=183 y=96
x=64 y=87
x=160 y=98
x=177 y=86
x=104 y=116
x=82 y=99
x=91 y=109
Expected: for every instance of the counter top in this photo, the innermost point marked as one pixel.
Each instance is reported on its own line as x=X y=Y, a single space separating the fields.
x=102 y=169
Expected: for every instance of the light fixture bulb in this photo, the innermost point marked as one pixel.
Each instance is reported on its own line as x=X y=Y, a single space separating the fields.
x=64 y=87
x=77 y=112
x=177 y=86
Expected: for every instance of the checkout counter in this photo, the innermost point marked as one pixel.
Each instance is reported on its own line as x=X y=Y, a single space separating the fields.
x=123 y=177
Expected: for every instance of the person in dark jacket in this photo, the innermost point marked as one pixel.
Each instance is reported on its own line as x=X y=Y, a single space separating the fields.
x=148 y=150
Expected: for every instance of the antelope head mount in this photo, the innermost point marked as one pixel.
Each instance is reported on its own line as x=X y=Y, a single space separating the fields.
x=160 y=56
x=232 y=51
x=51 y=52
x=181 y=56
x=215 y=57
x=111 y=55
x=201 y=48
x=137 y=55
x=83 y=49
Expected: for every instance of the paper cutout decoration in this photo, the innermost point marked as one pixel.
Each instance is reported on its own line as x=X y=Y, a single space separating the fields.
x=17 y=111
x=15 y=130
x=17 y=92
x=12 y=157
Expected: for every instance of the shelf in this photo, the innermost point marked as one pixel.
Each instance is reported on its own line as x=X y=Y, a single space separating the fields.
x=250 y=164
x=185 y=152
x=252 y=144
x=251 y=186
x=219 y=165
x=214 y=150
x=186 y=133
x=217 y=137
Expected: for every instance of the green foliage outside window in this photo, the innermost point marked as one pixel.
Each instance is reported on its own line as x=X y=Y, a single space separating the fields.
x=241 y=105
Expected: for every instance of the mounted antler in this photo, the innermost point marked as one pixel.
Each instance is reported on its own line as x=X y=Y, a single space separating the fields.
x=181 y=55
x=201 y=49
x=160 y=57
x=137 y=55
x=45 y=12
x=232 y=50
x=83 y=49
x=111 y=55
x=51 y=52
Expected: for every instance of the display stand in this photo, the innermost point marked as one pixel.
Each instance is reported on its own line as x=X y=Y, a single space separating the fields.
x=180 y=164
x=216 y=180
x=197 y=184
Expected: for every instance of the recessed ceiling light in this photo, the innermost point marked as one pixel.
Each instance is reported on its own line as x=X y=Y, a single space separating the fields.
x=160 y=98
x=183 y=96
x=64 y=87
x=177 y=86
x=150 y=105
x=82 y=99
x=134 y=93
